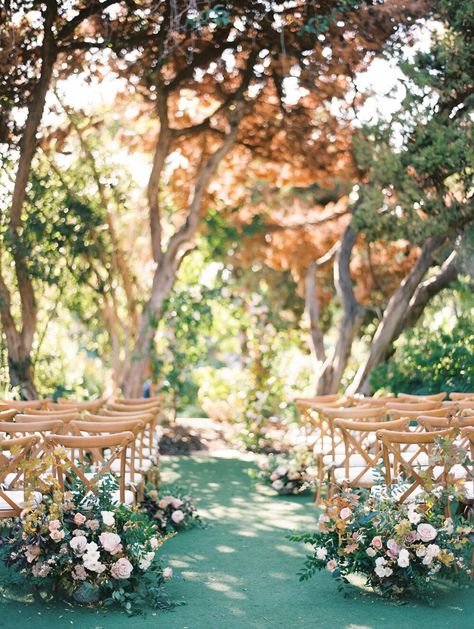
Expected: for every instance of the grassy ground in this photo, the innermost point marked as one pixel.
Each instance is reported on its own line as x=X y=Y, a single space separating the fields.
x=240 y=571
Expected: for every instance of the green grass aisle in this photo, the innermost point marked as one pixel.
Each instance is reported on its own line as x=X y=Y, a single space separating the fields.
x=240 y=572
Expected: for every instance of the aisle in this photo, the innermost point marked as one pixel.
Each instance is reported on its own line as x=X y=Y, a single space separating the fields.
x=240 y=572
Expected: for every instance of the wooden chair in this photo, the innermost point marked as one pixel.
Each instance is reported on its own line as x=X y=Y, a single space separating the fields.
x=329 y=443
x=137 y=408
x=88 y=459
x=414 y=406
x=28 y=416
x=15 y=496
x=147 y=450
x=458 y=397
x=362 y=451
x=465 y=405
x=83 y=405
x=6 y=405
x=415 y=465
x=434 y=397
x=6 y=416
x=306 y=411
x=98 y=427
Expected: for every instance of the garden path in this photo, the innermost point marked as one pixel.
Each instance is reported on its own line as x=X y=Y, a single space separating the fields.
x=240 y=571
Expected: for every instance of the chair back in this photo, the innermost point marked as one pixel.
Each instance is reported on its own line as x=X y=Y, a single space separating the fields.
x=436 y=397
x=77 y=454
x=415 y=464
x=13 y=454
x=6 y=416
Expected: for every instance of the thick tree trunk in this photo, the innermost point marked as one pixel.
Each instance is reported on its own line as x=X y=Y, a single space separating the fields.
x=395 y=312
x=22 y=376
x=312 y=308
x=164 y=279
x=334 y=366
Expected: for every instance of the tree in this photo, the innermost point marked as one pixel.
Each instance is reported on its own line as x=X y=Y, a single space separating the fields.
x=27 y=73
x=235 y=59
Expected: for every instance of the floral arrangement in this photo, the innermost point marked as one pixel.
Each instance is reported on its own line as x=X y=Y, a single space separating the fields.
x=81 y=545
x=400 y=549
x=172 y=509
x=287 y=474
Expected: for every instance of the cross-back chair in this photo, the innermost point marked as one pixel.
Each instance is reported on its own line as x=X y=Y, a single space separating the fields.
x=88 y=458
x=415 y=464
x=434 y=397
x=14 y=496
x=362 y=451
x=7 y=416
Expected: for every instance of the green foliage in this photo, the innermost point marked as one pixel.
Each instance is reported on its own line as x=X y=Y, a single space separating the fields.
x=420 y=163
x=428 y=361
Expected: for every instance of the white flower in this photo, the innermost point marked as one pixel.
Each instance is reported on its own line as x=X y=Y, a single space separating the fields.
x=448 y=526
x=277 y=485
x=380 y=571
x=421 y=551
x=413 y=516
x=380 y=561
x=388 y=572
x=108 y=518
x=345 y=513
x=145 y=562
x=403 y=558
x=321 y=553
x=371 y=552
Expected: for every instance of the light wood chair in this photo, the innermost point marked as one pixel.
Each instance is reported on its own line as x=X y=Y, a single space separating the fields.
x=65 y=416
x=458 y=396
x=434 y=397
x=83 y=405
x=6 y=405
x=89 y=458
x=14 y=453
x=6 y=416
x=362 y=451
x=415 y=464
x=414 y=406
x=133 y=476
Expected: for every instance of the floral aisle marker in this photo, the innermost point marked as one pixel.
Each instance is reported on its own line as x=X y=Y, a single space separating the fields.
x=287 y=475
x=82 y=546
x=172 y=508
x=400 y=550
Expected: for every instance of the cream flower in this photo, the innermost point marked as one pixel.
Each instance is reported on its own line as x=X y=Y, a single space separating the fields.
x=78 y=544
x=108 y=518
x=426 y=532
x=403 y=558
x=121 y=569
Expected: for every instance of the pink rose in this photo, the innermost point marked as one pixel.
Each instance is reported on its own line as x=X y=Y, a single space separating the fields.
x=78 y=544
x=93 y=524
x=331 y=565
x=79 y=519
x=111 y=542
x=54 y=525
x=56 y=535
x=345 y=513
x=426 y=532
x=377 y=542
x=168 y=573
x=32 y=552
x=121 y=569
x=393 y=549
x=177 y=516
x=79 y=573
x=176 y=503
x=40 y=569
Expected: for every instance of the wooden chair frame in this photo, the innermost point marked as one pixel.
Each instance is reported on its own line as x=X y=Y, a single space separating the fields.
x=118 y=443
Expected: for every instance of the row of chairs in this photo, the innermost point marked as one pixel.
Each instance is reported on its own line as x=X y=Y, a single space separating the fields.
x=85 y=439
x=351 y=437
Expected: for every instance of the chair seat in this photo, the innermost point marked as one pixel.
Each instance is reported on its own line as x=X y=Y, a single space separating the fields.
x=129 y=497
x=18 y=497
x=355 y=460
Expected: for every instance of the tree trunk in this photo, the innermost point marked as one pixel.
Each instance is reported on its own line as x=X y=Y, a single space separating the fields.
x=334 y=366
x=22 y=375
x=394 y=313
x=312 y=307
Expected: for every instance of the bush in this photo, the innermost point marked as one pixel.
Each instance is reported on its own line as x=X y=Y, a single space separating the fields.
x=427 y=361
